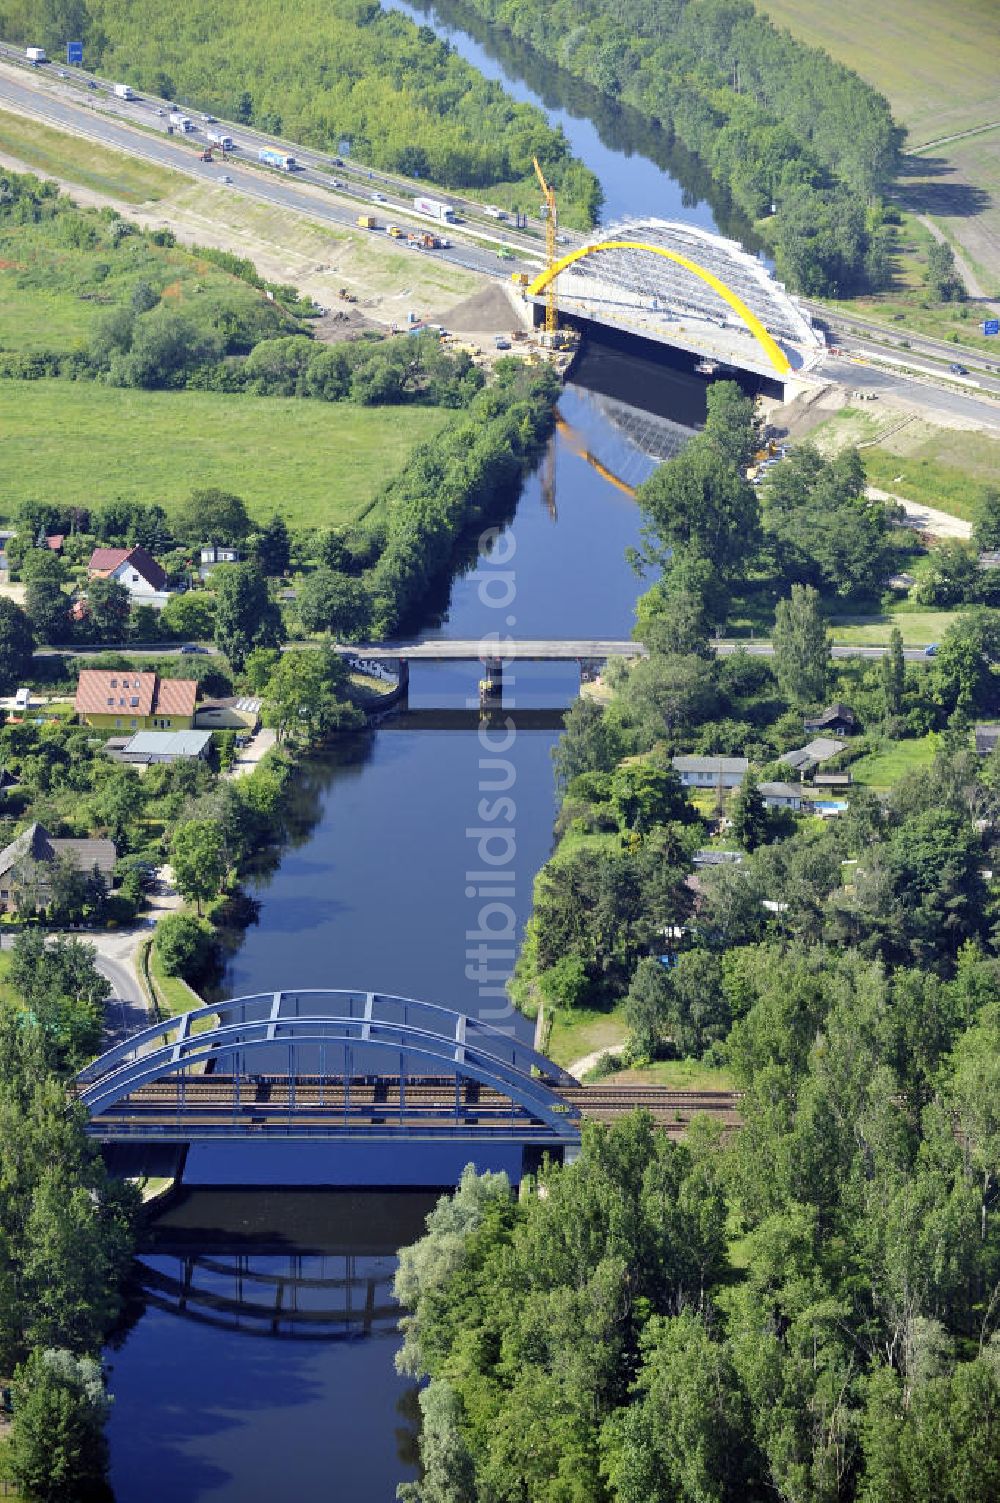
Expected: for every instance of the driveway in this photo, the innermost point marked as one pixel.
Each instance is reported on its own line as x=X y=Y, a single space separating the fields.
x=940 y=524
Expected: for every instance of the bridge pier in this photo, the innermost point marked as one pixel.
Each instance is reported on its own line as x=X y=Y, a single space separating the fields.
x=491 y=687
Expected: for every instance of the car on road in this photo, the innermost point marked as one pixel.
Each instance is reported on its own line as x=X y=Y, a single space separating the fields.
x=932 y=650
x=91 y=84
x=161 y=112
x=225 y=178
x=958 y=370
x=62 y=73
x=379 y=198
x=189 y=647
x=209 y=119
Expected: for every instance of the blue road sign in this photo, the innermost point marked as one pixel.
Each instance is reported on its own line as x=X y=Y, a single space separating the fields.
x=74 y=54
x=991 y=326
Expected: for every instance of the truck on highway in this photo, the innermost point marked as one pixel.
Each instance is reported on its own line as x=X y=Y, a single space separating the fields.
x=183 y=122
x=279 y=159
x=220 y=139
x=367 y=222
x=124 y=91
x=36 y=54
x=435 y=208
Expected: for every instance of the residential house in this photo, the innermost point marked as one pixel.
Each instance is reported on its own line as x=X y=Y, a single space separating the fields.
x=24 y=860
x=236 y=713
x=987 y=737
x=805 y=759
x=217 y=553
x=116 y=699
x=710 y=856
x=837 y=719
x=134 y=568
x=55 y=541
x=781 y=795
x=711 y=772
x=165 y=746
x=832 y=780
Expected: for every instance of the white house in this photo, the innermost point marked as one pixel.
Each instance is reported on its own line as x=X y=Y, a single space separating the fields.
x=781 y=795
x=711 y=772
x=134 y=568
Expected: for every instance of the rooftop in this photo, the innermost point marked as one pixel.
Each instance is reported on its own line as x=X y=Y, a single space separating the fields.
x=36 y=844
x=104 y=691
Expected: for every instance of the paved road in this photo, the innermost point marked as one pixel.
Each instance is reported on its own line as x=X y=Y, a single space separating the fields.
x=96 y=113
x=115 y=123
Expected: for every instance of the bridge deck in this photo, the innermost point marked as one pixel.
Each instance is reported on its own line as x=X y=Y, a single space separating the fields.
x=443 y=650
x=216 y=1105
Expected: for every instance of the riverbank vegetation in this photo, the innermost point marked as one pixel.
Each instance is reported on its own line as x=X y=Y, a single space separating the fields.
x=338 y=76
x=803 y=1309
x=782 y=126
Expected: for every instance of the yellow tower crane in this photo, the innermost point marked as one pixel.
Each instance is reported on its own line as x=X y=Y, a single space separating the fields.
x=551 y=254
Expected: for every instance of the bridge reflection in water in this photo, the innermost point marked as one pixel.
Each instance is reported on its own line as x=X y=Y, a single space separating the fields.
x=293 y=1295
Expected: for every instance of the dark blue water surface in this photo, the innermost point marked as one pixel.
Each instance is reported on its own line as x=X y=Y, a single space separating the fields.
x=216 y=1399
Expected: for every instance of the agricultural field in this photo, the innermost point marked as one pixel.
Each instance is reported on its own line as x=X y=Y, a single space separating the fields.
x=936 y=64
x=317 y=463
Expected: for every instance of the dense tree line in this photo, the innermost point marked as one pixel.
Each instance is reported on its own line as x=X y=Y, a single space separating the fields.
x=807 y=1310
x=775 y=121
x=328 y=75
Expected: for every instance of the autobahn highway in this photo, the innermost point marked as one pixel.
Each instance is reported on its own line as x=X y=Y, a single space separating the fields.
x=74 y=100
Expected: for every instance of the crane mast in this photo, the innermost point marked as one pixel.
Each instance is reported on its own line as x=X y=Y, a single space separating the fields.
x=551 y=228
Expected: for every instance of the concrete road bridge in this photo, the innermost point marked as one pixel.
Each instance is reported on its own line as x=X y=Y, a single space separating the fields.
x=349 y=1088
x=393 y=659
x=679 y=285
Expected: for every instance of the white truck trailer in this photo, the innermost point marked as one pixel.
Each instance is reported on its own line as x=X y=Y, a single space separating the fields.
x=435 y=208
x=36 y=54
x=124 y=91
x=221 y=139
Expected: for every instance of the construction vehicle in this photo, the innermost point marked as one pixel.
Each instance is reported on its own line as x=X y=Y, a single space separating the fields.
x=206 y=155
x=551 y=254
x=346 y=296
x=520 y=278
x=367 y=222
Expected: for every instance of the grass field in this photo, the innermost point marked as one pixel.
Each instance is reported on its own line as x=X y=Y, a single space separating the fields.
x=936 y=63
x=576 y=1032
x=947 y=468
x=58 y=154
x=917 y=628
x=882 y=770
x=678 y=1075
x=316 y=463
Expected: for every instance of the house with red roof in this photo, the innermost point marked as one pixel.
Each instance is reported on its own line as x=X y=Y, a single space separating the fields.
x=134 y=568
x=124 y=700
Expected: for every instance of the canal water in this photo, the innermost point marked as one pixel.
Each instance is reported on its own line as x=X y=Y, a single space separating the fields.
x=256 y=1362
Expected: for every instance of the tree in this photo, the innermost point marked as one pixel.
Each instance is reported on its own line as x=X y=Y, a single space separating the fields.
x=962 y=677
x=303 y=696
x=213 y=516
x=748 y=813
x=587 y=743
x=189 y=615
x=700 y=502
x=273 y=548
x=245 y=616
x=942 y=273
x=892 y=675
x=335 y=603
x=644 y=795
x=986 y=521
x=16 y=645
x=647 y=1009
x=198 y=859
x=732 y=423
x=801 y=646
x=184 y=945
x=59 y=1452
x=64 y=992
x=108 y=608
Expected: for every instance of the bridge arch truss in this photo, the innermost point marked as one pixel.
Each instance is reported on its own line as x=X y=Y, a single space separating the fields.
x=325 y=1064
x=687 y=286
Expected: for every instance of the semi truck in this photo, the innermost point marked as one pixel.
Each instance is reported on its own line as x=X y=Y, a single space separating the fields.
x=220 y=139
x=36 y=54
x=183 y=122
x=367 y=222
x=124 y=91
x=435 y=208
x=279 y=159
